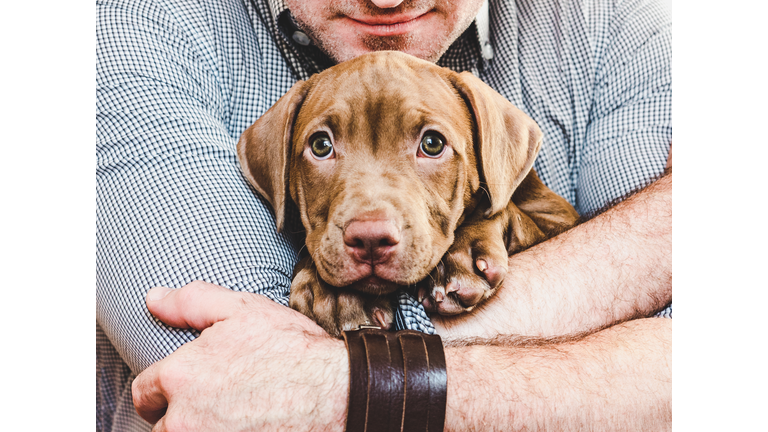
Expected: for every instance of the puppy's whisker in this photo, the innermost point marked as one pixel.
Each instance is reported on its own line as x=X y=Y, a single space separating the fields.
x=485 y=191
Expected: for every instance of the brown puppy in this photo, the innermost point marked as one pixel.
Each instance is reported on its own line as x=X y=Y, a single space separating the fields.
x=386 y=156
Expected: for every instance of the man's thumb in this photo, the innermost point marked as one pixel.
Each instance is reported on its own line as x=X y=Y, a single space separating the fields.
x=197 y=305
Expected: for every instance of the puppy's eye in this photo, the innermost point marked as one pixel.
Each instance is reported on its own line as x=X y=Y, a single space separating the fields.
x=321 y=146
x=432 y=144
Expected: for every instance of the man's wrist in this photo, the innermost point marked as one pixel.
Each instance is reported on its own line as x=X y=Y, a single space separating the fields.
x=336 y=400
x=397 y=381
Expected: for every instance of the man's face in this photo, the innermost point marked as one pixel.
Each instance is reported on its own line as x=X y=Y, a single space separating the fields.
x=345 y=29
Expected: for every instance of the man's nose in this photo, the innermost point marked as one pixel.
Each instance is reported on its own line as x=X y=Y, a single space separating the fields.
x=386 y=4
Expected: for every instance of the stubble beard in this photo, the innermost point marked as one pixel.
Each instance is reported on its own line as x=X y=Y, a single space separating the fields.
x=339 y=50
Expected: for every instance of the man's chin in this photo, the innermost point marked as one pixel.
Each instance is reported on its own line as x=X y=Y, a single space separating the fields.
x=430 y=56
x=353 y=45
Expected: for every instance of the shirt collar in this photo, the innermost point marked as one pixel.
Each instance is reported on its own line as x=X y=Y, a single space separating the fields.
x=276 y=7
x=484 y=32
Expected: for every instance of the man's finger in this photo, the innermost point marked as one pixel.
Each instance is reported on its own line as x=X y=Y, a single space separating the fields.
x=148 y=398
x=198 y=305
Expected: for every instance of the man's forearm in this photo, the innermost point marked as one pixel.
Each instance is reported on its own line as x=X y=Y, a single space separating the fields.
x=612 y=268
x=616 y=379
x=619 y=379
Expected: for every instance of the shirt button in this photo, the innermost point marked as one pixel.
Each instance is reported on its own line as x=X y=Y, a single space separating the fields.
x=301 y=38
x=487 y=51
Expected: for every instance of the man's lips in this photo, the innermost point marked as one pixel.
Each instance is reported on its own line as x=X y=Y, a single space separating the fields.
x=388 y=25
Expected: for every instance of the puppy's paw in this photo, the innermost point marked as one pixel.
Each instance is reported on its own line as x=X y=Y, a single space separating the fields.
x=356 y=309
x=336 y=309
x=472 y=270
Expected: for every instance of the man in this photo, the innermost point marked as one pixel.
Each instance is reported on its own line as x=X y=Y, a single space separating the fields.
x=177 y=84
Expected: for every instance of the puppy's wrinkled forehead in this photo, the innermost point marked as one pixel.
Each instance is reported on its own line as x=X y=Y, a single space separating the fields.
x=376 y=97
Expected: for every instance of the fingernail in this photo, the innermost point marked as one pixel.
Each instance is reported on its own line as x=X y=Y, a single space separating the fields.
x=482 y=265
x=439 y=296
x=452 y=287
x=380 y=319
x=157 y=293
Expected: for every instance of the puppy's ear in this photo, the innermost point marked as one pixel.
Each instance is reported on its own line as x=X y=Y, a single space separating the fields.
x=264 y=149
x=507 y=140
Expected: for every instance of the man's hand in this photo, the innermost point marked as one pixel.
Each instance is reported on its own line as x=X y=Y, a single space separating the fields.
x=256 y=366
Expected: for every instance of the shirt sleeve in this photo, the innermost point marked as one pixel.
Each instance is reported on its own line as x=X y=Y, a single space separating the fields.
x=630 y=129
x=630 y=126
x=172 y=205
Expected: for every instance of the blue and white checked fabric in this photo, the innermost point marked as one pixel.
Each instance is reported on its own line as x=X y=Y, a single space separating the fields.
x=178 y=82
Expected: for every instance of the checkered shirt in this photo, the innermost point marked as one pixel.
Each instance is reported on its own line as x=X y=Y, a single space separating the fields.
x=179 y=81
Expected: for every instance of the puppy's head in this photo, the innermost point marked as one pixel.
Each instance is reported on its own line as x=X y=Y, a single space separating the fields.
x=382 y=155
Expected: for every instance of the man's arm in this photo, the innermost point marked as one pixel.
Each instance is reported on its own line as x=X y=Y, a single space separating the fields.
x=618 y=379
x=614 y=267
x=172 y=206
x=614 y=380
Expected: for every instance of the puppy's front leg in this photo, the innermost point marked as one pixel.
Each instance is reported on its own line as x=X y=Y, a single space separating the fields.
x=473 y=268
x=475 y=265
x=336 y=309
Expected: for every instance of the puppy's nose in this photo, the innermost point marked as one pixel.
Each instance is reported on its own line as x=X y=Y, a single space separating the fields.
x=371 y=241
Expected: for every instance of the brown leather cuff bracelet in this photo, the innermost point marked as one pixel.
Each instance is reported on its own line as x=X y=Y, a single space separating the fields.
x=397 y=381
